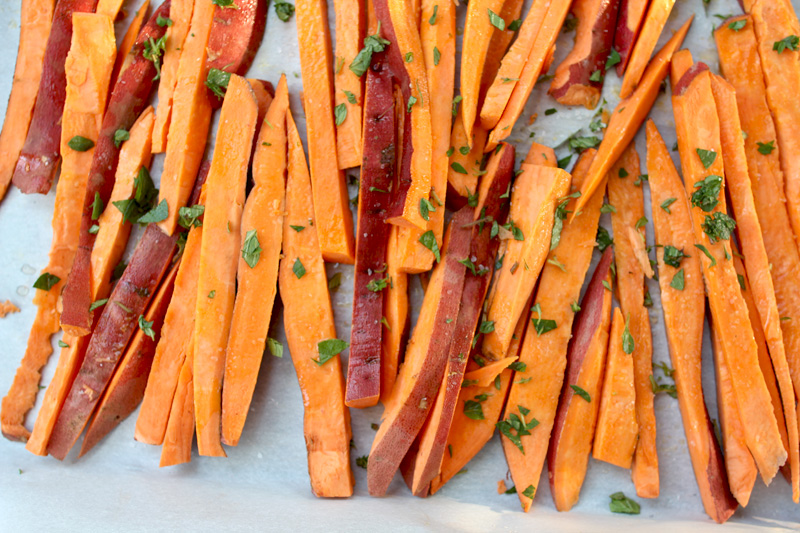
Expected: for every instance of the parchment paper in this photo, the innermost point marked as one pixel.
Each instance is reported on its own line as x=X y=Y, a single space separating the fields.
x=263 y=484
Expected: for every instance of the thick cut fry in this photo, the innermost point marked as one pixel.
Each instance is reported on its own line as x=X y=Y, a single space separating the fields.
x=657 y=15
x=693 y=103
x=574 y=425
x=774 y=21
x=177 y=448
x=128 y=99
x=544 y=356
x=629 y=115
x=372 y=238
x=88 y=68
x=617 y=429
x=683 y=316
x=219 y=257
x=181 y=16
x=308 y=322
x=533 y=203
x=257 y=282
x=511 y=67
x=539 y=58
x=628 y=200
x=36 y=17
x=126 y=388
x=465 y=162
x=190 y=117
x=578 y=80
x=433 y=437
x=40 y=155
x=395 y=310
x=478 y=31
x=741 y=468
x=331 y=202
x=755 y=257
x=124 y=52
x=631 y=15
x=115 y=327
x=349 y=88
x=426 y=358
x=498 y=45
x=109 y=8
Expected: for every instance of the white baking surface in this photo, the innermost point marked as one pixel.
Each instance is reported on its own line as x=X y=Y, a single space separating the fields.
x=263 y=484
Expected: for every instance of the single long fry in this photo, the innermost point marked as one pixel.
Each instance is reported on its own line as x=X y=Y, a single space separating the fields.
x=396 y=312
x=629 y=115
x=128 y=40
x=465 y=162
x=657 y=15
x=177 y=448
x=631 y=15
x=349 y=88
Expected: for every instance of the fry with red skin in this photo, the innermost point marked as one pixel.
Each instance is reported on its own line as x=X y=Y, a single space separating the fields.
x=87 y=70
x=236 y=35
x=36 y=17
x=128 y=99
x=331 y=201
x=40 y=156
x=631 y=15
x=693 y=103
x=657 y=15
x=126 y=388
x=257 y=284
x=573 y=428
x=426 y=358
x=114 y=329
x=629 y=115
x=578 y=80
x=372 y=235
x=682 y=307
x=220 y=250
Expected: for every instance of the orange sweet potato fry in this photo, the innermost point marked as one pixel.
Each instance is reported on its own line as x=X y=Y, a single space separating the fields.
x=350 y=26
x=177 y=448
x=657 y=15
x=465 y=162
x=395 y=310
x=128 y=40
x=631 y=15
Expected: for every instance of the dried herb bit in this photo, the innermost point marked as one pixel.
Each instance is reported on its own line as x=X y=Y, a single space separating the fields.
x=558 y=219
x=657 y=387
x=596 y=76
x=473 y=410
x=718 y=226
x=518 y=366
x=706 y=195
x=298 y=268
x=581 y=143
x=377 y=285
x=328 y=349
x=707 y=157
x=550 y=111
x=487 y=326
x=613 y=59
x=790 y=42
x=428 y=240
x=217 y=80
x=708 y=254
x=496 y=20
x=340 y=114
x=622 y=504
x=251 y=250
x=284 y=10
x=673 y=256
x=529 y=492
x=425 y=208
x=335 y=282
x=154 y=49
x=564 y=161
x=737 y=25
x=157 y=214
x=603 y=239
x=147 y=327
x=62 y=344
x=678 y=281
x=766 y=148
x=456 y=101
x=668 y=202
x=46 y=281
x=97 y=206
x=372 y=43
x=225 y=4
x=190 y=216
x=80 y=144
x=362 y=461
x=515 y=426
x=98 y=303
x=580 y=392
x=121 y=136
x=627 y=339
x=437 y=56
x=458 y=167
x=622 y=173
x=541 y=325
x=432 y=20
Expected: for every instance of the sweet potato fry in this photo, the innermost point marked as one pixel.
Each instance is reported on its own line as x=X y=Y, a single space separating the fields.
x=257 y=281
x=657 y=15
x=331 y=202
x=348 y=87
x=426 y=358
x=181 y=16
x=631 y=15
x=465 y=168
x=628 y=200
x=749 y=229
x=629 y=115
x=109 y=8
x=126 y=388
x=128 y=99
x=395 y=310
x=534 y=200
x=693 y=103
x=219 y=256
x=498 y=45
x=308 y=323
x=617 y=430
x=38 y=161
x=128 y=40
x=36 y=18
x=177 y=448
x=682 y=307
x=87 y=70
x=578 y=80
x=574 y=424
